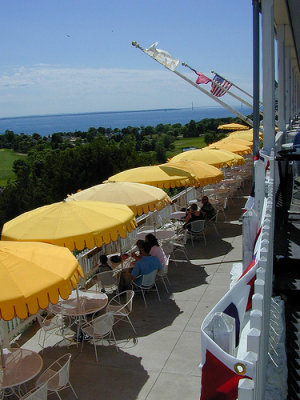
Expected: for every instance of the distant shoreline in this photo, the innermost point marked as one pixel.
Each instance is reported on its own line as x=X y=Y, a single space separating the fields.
x=106 y=112
x=47 y=125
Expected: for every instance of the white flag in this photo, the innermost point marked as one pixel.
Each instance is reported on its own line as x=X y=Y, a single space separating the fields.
x=162 y=57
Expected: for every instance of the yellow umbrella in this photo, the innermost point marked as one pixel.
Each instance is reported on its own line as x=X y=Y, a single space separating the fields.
x=233 y=147
x=32 y=275
x=237 y=159
x=156 y=175
x=217 y=158
x=233 y=127
x=73 y=224
x=138 y=197
x=237 y=140
x=248 y=135
x=206 y=174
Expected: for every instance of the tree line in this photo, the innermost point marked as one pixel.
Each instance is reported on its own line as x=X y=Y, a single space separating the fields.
x=62 y=163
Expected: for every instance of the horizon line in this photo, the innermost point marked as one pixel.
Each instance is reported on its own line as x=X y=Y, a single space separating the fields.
x=103 y=112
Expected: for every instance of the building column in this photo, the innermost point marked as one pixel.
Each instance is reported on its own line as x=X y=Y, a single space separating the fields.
x=288 y=85
x=281 y=78
x=268 y=74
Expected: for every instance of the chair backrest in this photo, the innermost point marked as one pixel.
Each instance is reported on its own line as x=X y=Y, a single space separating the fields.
x=61 y=375
x=122 y=307
x=108 y=279
x=148 y=280
x=39 y=393
x=167 y=248
x=166 y=266
x=64 y=372
x=103 y=324
x=129 y=300
x=198 y=225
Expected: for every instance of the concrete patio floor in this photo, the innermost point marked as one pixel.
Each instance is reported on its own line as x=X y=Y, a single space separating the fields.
x=162 y=361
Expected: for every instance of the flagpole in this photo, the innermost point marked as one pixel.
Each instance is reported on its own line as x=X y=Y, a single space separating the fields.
x=226 y=91
x=242 y=90
x=241 y=116
x=222 y=103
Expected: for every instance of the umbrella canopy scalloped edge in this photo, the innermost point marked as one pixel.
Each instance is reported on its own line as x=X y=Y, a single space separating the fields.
x=61 y=286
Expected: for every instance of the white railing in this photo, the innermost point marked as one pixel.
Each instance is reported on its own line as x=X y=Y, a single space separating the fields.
x=250 y=360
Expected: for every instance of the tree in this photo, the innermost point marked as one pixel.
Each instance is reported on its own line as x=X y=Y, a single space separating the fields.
x=160 y=152
x=192 y=130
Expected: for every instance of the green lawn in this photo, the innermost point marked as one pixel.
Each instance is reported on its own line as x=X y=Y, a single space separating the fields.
x=181 y=143
x=7 y=158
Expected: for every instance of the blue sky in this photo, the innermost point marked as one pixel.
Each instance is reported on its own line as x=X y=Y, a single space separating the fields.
x=69 y=56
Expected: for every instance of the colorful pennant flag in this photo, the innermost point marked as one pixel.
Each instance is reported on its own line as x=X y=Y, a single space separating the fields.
x=216 y=90
x=202 y=78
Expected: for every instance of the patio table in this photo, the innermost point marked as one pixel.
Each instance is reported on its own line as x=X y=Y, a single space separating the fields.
x=78 y=307
x=21 y=365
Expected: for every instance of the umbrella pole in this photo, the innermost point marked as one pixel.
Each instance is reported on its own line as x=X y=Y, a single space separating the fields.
x=2 y=355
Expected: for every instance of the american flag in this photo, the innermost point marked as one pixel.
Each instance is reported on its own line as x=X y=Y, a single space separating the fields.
x=216 y=90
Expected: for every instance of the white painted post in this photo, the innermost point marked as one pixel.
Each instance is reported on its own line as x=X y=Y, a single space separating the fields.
x=259 y=172
x=256 y=319
x=268 y=73
x=281 y=77
x=257 y=302
x=246 y=389
x=288 y=85
x=259 y=287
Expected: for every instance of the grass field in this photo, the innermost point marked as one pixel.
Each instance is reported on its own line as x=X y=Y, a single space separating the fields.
x=7 y=158
x=181 y=143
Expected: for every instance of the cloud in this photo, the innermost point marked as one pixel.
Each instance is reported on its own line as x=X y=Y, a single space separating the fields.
x=53 y=89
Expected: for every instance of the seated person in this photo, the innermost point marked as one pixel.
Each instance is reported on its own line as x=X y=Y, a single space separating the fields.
x=193 y=215
x=138 y=255
x=144 y=266
x=207 y=210
x=103 y=267
x=155 y=249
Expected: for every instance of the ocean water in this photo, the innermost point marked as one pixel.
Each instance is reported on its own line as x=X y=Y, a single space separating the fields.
x=47 y=124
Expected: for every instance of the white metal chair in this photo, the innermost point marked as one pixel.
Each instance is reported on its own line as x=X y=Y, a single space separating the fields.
x=120 y=310
x=177 y=245
x=99 y=328
x=37 y=393
x=51 y=324
x=162 y=274
x=219 y=206
x=148 y=284
x=57 y=376
x=213 y=222
x=108 y=281
x=196 y=231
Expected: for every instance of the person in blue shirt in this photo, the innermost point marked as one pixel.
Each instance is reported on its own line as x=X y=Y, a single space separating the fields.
x=296 y=141
x=144 y=266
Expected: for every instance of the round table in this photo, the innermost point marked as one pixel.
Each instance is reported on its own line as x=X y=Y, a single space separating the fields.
x=21 y=365
x=79 y=305
x=86 y=303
